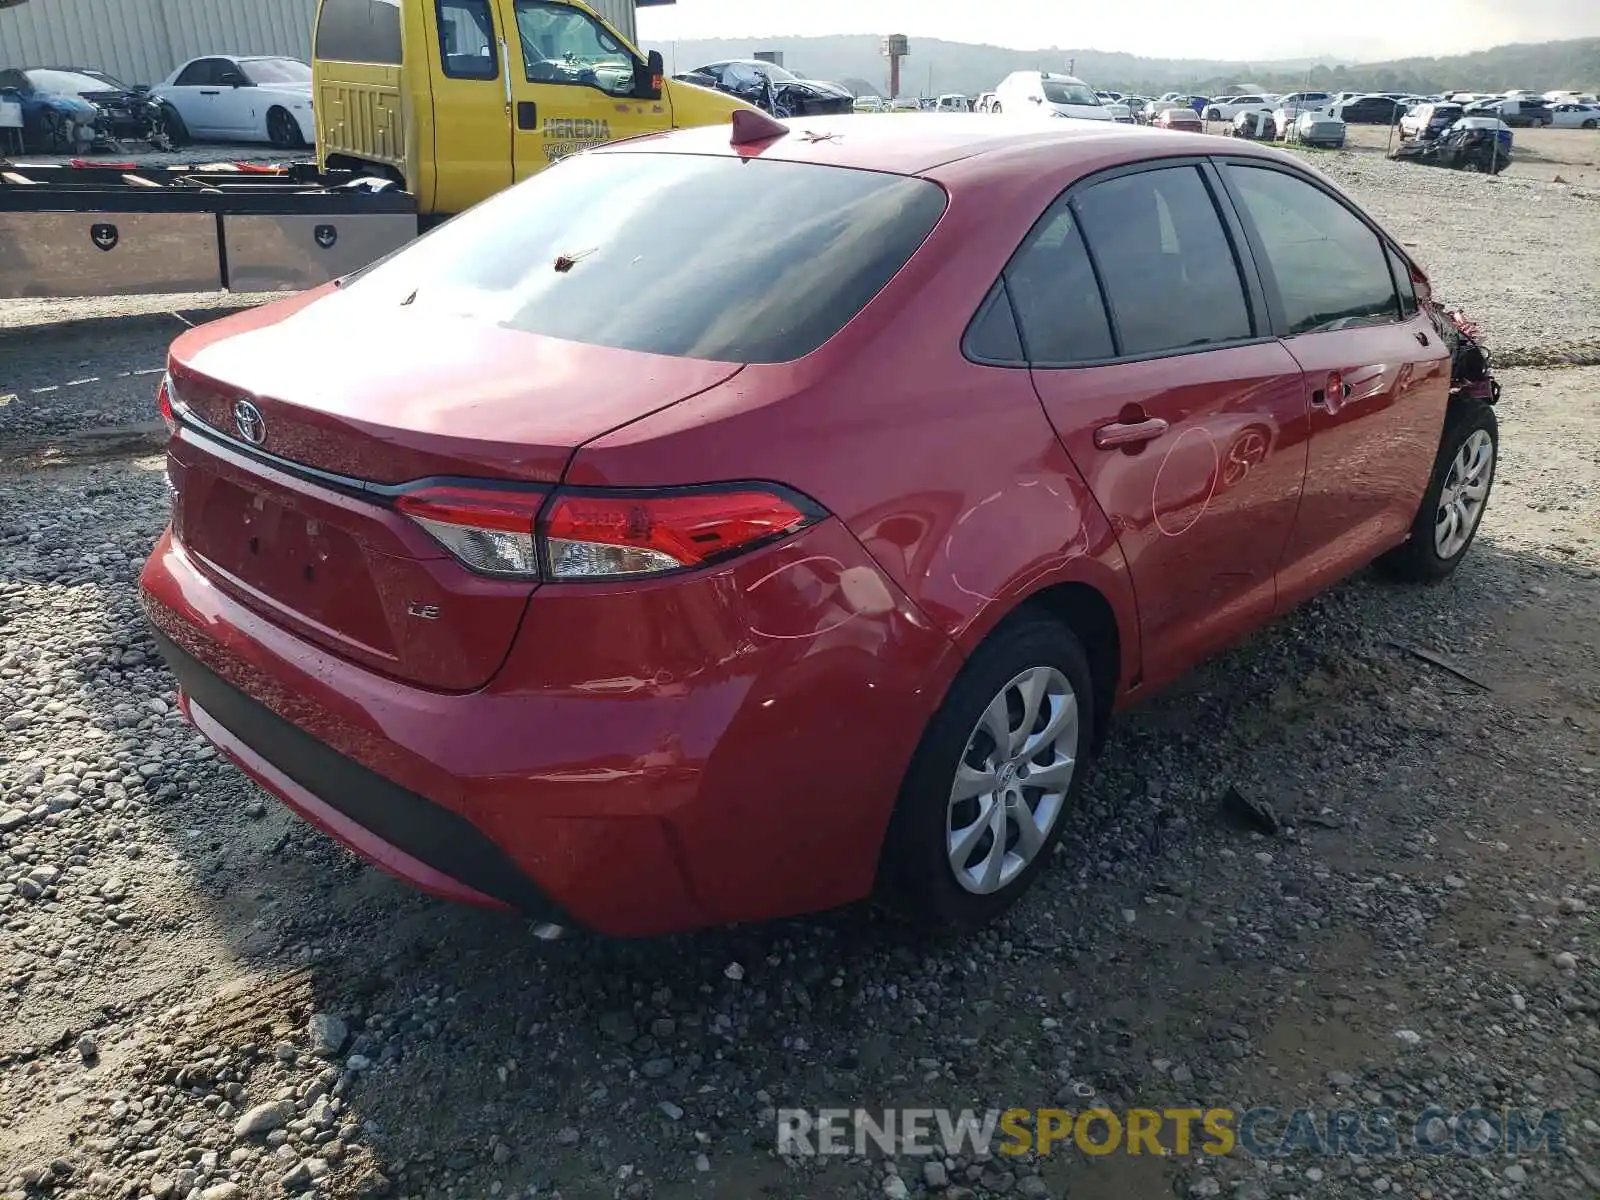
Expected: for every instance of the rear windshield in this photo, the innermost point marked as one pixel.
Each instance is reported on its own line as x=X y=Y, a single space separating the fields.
x=359 y=31
x=728 y=259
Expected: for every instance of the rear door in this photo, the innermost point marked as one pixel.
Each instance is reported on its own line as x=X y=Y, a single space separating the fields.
x=573 y=86
x=1376 y=374
x=471 y=101
x=1152 y=355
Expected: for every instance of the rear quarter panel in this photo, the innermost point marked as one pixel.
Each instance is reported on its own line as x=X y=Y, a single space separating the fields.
x=947 y=472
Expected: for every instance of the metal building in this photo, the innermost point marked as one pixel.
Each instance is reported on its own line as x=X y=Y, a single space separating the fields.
x=142 y=41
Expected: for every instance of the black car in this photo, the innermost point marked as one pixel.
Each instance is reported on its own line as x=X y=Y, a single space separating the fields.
x=770 y=87
x=1372 y=110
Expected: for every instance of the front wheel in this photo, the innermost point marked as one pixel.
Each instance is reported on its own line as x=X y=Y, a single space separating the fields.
x=995 y=107
x=1000 y=764
x=283 y=131
x=1453 y=506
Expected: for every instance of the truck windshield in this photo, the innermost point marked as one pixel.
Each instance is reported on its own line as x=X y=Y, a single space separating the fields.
x=1069 y=93
x=695 y=256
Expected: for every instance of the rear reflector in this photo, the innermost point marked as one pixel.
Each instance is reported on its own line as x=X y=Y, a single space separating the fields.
x=164 y=405
x=594 y=534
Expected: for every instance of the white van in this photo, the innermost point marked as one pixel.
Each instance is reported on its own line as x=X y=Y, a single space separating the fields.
x=953 y=102
x=1024 y=91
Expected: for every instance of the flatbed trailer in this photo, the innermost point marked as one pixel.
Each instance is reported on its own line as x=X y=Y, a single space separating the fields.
x=116 y=229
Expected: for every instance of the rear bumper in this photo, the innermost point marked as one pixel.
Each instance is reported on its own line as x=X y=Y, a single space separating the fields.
x=717 y=748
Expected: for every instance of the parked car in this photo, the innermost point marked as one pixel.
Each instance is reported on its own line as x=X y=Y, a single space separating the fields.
x=1570 y=114
x=868 y=104
x=810 y=570
x=953 y=102
x=1184 y=118
x=56 y=119
x=1516 y=113
x=1063 y=94
x=1114 y=104
x=985 y=102
x=1428 y=121
x=1312 y=127
x=1226 y=108
x=124 y=112
x=241 y=99
x=1296 y=103
x=769 y=86
x=1370 y=110
x=904 y=104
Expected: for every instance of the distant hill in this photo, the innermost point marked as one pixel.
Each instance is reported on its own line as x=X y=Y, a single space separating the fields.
x=939 y=66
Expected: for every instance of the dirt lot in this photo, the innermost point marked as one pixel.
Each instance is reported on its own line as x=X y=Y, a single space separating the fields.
x=201 y=997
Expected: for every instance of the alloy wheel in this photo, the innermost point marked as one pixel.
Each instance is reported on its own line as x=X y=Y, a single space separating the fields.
x=1012 y=780
x=1465 y=491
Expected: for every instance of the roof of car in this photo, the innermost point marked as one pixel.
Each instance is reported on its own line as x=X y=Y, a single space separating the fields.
x=906 y=145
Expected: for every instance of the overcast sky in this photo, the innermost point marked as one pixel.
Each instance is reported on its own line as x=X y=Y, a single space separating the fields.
x=1358 y=29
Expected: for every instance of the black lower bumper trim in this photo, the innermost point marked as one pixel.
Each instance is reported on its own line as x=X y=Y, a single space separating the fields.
x=441 y=839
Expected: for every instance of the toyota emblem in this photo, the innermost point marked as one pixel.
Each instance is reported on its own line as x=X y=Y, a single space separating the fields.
x=248 y=421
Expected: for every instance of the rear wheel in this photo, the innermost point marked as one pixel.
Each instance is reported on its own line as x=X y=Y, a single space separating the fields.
x=1453 y=506
x=985 y=799
x=283 y=131
x=1589 y=124
x=995 y=107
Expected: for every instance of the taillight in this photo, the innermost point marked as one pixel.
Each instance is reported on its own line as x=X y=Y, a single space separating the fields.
x=164 y=405
x=596 y=535
x=592 y=534
x=489 y=529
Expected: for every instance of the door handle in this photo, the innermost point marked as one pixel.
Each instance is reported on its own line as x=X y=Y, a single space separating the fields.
x=527 y=115
x=1129 y=433
x=1422 y=338
x=203 y=92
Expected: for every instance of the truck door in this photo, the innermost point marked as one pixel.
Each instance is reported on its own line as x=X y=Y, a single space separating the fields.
x=471 y=103
x=576 y=84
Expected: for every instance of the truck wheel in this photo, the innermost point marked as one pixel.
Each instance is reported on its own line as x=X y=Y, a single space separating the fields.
x=283 y=131
x=1457 y=496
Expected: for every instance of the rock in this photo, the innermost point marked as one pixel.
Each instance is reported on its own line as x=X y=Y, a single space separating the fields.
x=28 y=889
x=1181 y=1075
x=161 y=1187
x=1566 y=961
x=734 y=971
x=1342 y=1080
x=895 y=1188
x=261 y=1119
x=934 y=1175
x=567 y=1137
x=1516 y=1173
x=10 y=818
x=88 y=1048
x=1205 y=1186
x=222 y=1191
x=297 y=1178
x=1034 y=1188
x=327 y=1033
x=674 y=1113
x=1454 y=882
x=702 y=1163
x=656 y=1068
x=1408 y=1038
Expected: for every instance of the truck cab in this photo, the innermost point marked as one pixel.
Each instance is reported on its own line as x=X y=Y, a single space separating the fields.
x=459 y=99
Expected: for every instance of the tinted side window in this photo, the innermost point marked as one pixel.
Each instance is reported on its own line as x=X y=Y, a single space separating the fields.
x=1057 y=300
x=361 y=31
x=466 y=40
x=992 y=338
x=1169 y=272
x=1331 y=269
x=196 y=74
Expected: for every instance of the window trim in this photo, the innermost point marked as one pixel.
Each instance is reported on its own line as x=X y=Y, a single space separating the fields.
x=1257 y=306
x=494 y=40
x=600 y=25
x=1269 y=279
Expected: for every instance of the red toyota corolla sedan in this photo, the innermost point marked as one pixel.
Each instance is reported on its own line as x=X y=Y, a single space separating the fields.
x=712 y=529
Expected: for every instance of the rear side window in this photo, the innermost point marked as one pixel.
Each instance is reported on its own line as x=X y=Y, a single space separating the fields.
x=1168 y=269
x=359 y=31
x=1403 y=283
x=466 y=40
x=697 y=256
x=1332 y=271
x=1057 y=300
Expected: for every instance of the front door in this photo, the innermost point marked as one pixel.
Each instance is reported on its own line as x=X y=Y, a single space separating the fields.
x=1185 y=417
x=1376 y=373
x=471 y=103
x=574 y=85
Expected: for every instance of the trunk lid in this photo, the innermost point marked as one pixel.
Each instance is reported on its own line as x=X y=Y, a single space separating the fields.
x=379 y=402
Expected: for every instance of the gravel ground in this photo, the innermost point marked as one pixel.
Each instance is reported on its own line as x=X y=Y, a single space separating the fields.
x=201 y=997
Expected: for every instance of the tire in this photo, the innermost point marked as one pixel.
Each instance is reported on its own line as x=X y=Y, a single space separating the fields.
x=54 y=137
x=172 y=125
x=1589 y=125
x=1213 y=114
x=283 y=131
x=1427 y=556
x=995 y=107
x=1031 y=654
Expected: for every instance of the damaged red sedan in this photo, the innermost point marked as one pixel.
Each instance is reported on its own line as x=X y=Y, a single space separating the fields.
x=717 y=528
